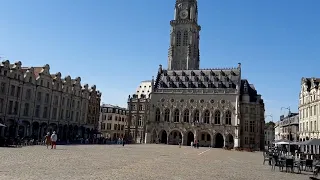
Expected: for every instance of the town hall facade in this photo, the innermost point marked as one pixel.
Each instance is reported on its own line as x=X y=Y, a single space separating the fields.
x=214 y=106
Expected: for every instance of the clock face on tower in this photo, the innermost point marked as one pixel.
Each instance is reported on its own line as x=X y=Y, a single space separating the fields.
x=183 y=14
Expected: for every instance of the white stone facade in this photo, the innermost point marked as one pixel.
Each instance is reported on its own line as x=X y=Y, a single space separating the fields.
x=34 y=102
x=309 y=112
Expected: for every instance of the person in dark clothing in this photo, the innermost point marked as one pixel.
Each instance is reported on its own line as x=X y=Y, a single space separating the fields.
x=122 y=142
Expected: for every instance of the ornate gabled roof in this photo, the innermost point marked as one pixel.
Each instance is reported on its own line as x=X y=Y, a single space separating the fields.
x=203 y=78
x=310 y=83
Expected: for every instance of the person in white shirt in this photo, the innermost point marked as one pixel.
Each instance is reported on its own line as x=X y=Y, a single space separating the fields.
x=54 y=139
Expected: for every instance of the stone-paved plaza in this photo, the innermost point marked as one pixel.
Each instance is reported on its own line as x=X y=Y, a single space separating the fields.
x=135 y=162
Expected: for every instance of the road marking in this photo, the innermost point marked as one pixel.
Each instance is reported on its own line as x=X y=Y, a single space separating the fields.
x=204 y=151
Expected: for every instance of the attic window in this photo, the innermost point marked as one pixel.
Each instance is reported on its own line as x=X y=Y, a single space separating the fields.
x=174 y=73
x=245 y=88
x=183 y=73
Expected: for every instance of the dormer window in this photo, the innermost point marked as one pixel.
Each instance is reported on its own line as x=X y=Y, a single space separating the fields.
x=212 y=73
x=181 y=85
x=245 y=88
x=171 y=84
x=174 y=73
x=192 y=73
x=183 y=73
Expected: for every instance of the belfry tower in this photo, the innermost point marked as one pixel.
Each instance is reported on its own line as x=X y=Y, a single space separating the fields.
x=184 y=37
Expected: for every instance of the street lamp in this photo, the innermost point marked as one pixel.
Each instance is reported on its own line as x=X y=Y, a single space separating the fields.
x=270 y=115
x=288 y=108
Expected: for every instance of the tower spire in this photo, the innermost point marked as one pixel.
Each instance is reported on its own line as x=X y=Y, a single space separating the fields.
x=184 y=37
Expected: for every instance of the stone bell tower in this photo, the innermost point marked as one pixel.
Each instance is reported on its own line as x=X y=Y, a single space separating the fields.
x=184 y=37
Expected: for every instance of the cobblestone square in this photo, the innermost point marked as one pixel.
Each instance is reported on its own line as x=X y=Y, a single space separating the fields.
x=141 y=162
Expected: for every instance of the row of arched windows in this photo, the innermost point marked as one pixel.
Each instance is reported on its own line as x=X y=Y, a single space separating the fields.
x=183 y=40
x=195 y=117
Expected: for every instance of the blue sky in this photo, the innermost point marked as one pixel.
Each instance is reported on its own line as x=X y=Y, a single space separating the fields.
x=116 y=44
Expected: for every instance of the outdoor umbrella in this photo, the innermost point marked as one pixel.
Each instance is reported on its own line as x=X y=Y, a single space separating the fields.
x=315 y=142
x=283 y=141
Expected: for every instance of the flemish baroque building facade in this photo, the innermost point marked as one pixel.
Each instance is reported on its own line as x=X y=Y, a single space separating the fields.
x=33 y=101
x=309 y=105
x=214 y=106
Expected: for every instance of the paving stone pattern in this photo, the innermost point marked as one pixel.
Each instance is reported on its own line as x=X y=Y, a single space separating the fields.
x=134 y=162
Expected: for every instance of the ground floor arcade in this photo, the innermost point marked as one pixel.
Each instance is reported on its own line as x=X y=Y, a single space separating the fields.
x=205 y=138
x=37 y=130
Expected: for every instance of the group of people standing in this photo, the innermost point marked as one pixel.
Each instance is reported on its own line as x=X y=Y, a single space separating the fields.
x=51 y=140
x=195 y=144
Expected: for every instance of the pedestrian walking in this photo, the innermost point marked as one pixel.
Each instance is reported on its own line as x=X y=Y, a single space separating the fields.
x=180 y=141
x=191 y=143
x=54 y=138
x=48 y=140
x=122 y=141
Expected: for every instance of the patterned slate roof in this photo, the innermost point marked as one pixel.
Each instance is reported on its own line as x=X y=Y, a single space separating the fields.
x=203 y=78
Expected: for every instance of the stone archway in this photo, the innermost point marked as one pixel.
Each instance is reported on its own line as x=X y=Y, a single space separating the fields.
x=52 y=127
x=43 y=130
x=174 y=137
x=190 y=138
x=76 y=131
x=35 y=130
x=229 y=141
x=219 y=141
x=204 y=139
x=11 y=128
x=163 y=137
x=70 y=133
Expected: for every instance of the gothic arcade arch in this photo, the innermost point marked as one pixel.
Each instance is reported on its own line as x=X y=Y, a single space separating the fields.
x=175 y=136
x=218 y=140
x=163 y=137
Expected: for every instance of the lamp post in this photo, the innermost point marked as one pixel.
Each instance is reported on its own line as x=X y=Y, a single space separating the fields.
x=269 y=115
x=288 y=108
